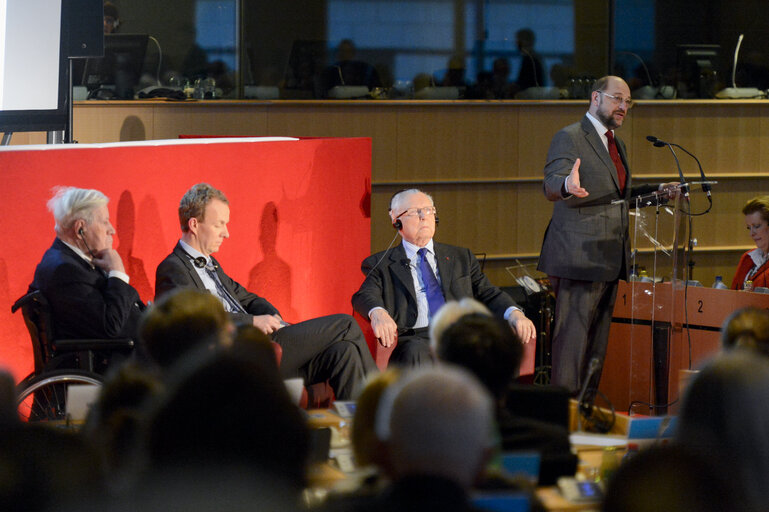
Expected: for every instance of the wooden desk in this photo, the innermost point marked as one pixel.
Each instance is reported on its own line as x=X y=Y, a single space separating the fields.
x=687 y=325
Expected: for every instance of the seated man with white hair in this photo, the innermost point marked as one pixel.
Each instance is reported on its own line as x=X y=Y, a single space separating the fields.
x=81 y=275
x=437 y=425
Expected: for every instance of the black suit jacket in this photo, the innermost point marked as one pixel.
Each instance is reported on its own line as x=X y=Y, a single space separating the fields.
x=84 y=302
x=391 y=286
x=177 y=271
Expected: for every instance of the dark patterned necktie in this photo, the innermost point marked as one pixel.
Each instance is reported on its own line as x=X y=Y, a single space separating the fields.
x=233 y=305
x=621 y=172
x=433 y=290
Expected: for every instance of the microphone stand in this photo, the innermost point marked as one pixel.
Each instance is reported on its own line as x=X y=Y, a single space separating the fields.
x=594 y=365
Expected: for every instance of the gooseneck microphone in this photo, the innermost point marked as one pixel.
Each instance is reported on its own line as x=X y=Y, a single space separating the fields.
x=661 y=143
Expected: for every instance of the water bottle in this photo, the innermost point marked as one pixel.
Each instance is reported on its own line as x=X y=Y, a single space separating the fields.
x=719 y=284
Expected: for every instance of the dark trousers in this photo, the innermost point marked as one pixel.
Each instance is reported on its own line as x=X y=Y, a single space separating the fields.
x=329 y=348
x=583 y=311
x=413 y=349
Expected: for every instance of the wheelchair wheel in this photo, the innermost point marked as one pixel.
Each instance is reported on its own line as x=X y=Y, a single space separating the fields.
x=44 y=397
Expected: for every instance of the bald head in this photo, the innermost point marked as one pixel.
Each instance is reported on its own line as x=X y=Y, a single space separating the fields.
x=440 y=425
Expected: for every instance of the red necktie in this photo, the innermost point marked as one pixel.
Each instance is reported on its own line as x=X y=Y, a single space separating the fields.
x=621 y=173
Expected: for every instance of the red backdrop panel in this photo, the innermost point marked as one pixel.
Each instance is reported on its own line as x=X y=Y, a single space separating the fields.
x=299 y=217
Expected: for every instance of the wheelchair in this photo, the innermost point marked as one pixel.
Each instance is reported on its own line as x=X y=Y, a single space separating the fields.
x=58 y=363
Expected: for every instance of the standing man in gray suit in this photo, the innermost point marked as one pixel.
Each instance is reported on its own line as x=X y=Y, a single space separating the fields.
x=586 y=250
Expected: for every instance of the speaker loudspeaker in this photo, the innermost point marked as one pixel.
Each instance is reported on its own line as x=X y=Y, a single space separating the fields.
x=84 y=23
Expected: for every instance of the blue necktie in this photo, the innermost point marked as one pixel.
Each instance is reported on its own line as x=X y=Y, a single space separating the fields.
x=433 y=290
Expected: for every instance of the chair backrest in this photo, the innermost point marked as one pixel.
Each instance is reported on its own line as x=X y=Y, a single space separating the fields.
x=37 y=318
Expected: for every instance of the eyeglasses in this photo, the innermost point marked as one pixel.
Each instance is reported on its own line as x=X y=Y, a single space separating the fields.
x=420 y=212
x=618 y=100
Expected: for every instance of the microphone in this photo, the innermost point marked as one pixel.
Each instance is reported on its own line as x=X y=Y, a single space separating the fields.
x=82 y=237
x=659 y=143
x=582 y=407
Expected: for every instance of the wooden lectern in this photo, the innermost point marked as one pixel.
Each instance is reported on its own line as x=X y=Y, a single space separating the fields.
x=661 y=324
x=659 y=329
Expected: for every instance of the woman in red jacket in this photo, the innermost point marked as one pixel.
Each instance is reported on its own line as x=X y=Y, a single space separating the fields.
x=754 y=264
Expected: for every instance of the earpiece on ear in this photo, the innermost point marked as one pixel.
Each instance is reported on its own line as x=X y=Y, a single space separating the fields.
x=80 y=231
x=398 y=224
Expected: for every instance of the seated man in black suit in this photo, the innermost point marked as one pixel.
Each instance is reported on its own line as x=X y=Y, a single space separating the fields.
x=402 y=290
x=327 y=348
x=82 y=276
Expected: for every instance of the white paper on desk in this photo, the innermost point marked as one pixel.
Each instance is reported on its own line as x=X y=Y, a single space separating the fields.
x=79 y=400
x=585 y=439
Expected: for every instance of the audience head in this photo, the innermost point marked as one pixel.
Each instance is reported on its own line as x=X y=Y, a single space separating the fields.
x=449 y=313
x=346 y=50
x=756 y=213
x=114 y=420
x=42 y=467
x=525 y=39
x=229 y=409
x=487 y=347
x=181 y=320
x=671 y=478
x=111 y=18
x=367 y=447
x=437 y=422
x=747 y=328
x=9 y=416
x=724 y=415
x=413 y=214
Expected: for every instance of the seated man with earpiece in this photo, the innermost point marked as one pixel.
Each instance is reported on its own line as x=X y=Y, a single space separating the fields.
x=82 y=276
x=404 y=287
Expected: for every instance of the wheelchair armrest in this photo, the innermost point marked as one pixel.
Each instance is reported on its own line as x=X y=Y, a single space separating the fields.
x=92 y=344
x=26 y=299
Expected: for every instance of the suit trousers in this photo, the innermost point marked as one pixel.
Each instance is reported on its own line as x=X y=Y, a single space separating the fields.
x=329 y=348
x=583 y=311
x=413 y=349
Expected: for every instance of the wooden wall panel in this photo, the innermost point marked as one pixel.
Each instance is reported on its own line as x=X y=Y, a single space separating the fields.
x=537 y=124
x=532 y=217
x=725 y=137
x=346 y=120
x=434 y=143
x=119 y=122
x=172 y=121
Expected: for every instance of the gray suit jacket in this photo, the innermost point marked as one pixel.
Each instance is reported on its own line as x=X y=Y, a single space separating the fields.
x=587 y=238
x=391 y=286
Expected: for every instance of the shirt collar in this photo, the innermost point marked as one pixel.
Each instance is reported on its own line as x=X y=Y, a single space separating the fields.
x=194 y=252
x=411 y=249
x=599 y=127
x=77 y=251
x=758 y=257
